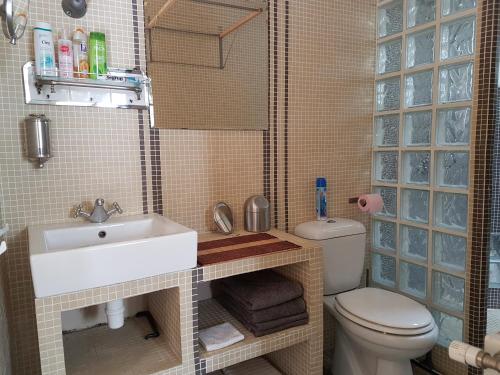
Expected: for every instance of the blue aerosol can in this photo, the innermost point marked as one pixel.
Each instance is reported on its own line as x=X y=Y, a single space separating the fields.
x=321 y=213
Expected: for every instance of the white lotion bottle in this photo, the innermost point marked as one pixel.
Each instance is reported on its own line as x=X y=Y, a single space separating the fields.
x=45 y=62
x=65 y=55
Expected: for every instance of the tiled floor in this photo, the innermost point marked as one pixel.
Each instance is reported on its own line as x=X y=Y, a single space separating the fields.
x=493 y=325
x=124 y=351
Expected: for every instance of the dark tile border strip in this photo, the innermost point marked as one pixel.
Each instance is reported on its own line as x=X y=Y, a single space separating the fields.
x=266 y=136
x=154 y=144
x=275 y=111
x=140 y=113
x=287 y=44
x=483 y=152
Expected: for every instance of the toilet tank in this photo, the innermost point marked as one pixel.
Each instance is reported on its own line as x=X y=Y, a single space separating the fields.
x=343 y=242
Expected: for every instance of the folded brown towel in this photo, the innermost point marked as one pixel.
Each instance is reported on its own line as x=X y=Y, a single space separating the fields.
x=263 y=289
x=278 y=329
x=293 y=307
x=266 y=328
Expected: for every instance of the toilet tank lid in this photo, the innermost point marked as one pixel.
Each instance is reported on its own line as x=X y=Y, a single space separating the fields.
x=331 y=228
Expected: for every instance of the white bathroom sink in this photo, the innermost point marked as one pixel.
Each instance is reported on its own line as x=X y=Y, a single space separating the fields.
x=72 y=257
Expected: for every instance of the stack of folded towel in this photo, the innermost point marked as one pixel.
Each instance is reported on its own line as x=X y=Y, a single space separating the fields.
x=264 y=302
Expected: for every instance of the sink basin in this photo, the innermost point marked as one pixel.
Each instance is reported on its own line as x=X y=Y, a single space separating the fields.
x=72 y=257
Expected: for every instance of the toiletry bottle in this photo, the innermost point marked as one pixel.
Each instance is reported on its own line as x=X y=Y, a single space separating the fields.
x=65 y=55
x=80 y=54
x=97 y=56
x=45 y=61
x=321 y=199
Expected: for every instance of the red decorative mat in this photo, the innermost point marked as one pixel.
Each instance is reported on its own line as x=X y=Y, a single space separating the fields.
x=228 y=249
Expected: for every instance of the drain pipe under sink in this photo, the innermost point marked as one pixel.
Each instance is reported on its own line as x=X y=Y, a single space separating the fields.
x=115 y=314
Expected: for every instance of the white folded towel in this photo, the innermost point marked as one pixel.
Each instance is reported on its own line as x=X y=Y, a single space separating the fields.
x=219 y=336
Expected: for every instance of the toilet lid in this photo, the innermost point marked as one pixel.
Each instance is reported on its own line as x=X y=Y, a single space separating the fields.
x=385 y=311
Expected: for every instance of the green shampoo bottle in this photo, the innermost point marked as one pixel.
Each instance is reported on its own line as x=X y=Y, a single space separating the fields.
x=98 y=67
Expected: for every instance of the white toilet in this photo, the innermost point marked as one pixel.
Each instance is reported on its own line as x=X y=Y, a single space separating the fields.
x=377 y=331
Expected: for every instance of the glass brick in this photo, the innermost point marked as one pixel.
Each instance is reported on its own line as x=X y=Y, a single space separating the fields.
x=495 y=246
x=384 y=235
x=415 y=205
x=420 y=12
x=390 y=197
x=390 y=19
x=449 y=7
x=457 y=38
x=413 y=242
x=448 y=291
x=494 y=275
x=416 y=167
x=387 y=131
x=386 y=166
x=453 y=127
x=455 y=83
x=452 y=169
x=418 y=89
x=389 y=56
x=450 y=328
x=450 y=211
x=417 y=128
x=420 y=48
x=388 y=94
x=384 y=270
x=449 y=251
x=413 y=279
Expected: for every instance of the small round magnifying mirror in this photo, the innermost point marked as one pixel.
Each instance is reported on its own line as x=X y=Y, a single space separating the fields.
x=14 y=15
x=223 y=217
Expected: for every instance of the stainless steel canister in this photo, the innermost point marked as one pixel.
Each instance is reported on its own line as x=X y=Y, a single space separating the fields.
x=37 y=139
x=257 y=214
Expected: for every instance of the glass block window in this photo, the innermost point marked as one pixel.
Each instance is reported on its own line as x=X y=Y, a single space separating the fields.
x=389 y=56
x=420 y=48
x=422 y=128
x=386 y=131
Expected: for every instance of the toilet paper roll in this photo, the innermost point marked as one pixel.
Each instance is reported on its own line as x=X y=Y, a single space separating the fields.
x=371 y=203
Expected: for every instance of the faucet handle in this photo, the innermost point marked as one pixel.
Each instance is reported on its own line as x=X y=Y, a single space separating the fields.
x=117 y=208
x=80 y=212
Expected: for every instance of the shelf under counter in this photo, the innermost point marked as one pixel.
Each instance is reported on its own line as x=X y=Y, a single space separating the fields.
x=294 y=351
x=102 y=351
x=212 y=313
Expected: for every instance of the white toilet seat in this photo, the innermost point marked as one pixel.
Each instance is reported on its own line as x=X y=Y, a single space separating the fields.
x=370 y=308
x=384 y=312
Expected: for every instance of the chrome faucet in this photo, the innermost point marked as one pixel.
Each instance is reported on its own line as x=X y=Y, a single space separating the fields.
x=99 y=214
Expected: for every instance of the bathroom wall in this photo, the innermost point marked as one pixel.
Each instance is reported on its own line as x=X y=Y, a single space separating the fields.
x=5 y=364
x=321 y=74
x=97 y=153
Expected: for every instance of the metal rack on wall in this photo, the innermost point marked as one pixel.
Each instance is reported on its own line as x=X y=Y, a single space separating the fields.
x=197 y=18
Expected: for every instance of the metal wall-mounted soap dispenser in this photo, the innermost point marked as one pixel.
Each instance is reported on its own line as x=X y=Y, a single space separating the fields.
x=37 y=135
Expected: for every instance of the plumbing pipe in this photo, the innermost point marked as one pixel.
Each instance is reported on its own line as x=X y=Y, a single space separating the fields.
x=115 y=314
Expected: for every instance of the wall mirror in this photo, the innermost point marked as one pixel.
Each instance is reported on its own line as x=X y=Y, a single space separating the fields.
x=208 y=61
x=14 y=15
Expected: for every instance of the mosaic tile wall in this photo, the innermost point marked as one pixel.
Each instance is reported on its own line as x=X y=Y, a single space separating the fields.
x=97 y=152
x=319 y=115
x=483 y=210
x=5 y=363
